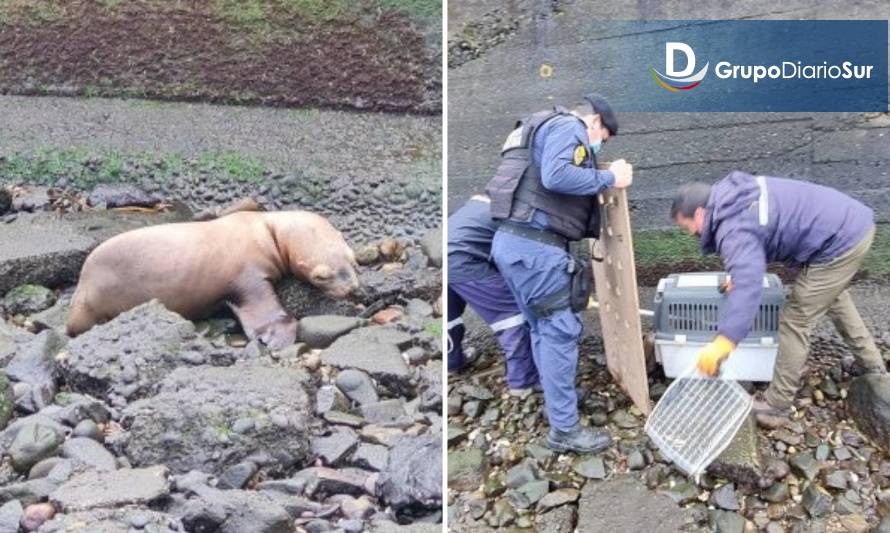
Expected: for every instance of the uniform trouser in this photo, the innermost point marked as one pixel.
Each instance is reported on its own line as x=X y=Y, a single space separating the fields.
x=533 y=271
x=492 y=300
x=821 y=289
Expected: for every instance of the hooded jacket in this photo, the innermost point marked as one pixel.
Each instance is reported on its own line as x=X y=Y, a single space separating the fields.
x=803 y=224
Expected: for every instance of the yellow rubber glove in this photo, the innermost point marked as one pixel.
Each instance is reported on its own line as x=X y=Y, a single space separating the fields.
x=711 y=356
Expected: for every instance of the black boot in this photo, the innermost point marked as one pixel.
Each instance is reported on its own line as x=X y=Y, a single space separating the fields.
x=579 y=439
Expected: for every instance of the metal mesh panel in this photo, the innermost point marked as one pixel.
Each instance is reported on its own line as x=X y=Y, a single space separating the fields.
x=696 y=419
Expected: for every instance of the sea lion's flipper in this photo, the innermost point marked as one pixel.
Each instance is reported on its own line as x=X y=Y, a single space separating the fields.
x=263 y=317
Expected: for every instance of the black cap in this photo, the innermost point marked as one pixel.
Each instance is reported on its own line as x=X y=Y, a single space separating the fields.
x=602 y=108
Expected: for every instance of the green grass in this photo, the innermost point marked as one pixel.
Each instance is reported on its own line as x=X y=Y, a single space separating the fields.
x=82 y=168
x=434 y=329
x=418 y=8
x=666 y=247
x=33 y=12
x=653 y=247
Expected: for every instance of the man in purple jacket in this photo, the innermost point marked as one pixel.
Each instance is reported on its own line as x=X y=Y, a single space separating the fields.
x=752 y=220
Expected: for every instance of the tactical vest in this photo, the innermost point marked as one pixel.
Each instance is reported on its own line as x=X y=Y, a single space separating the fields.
x=516 y=190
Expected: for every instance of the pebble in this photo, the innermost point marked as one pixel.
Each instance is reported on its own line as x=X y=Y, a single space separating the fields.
x=592 y=468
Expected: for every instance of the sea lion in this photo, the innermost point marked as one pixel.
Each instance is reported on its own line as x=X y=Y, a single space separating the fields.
x=193 y=267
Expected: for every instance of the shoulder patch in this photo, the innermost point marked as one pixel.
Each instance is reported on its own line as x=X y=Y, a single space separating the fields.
x=580 y=154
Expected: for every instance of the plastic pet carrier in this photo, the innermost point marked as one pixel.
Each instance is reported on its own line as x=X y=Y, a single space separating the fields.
x=688 y=308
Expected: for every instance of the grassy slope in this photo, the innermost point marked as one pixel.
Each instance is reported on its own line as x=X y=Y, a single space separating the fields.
x=229 y=51
x=663 y=248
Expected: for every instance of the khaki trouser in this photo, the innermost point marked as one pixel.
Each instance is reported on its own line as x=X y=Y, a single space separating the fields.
x=818 y=290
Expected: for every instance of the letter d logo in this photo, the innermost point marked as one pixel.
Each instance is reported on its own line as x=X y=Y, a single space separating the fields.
x=675 y=79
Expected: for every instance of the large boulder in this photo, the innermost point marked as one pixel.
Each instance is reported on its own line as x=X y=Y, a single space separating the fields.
x=379 y=287
x=232 y=511
x=128 y=356
x=97 y=489
x=412 y=480
x=868 y=404
x=625 y=504
x=210 y=418
x=376 y=350
x=118 y=520
x=27 y=299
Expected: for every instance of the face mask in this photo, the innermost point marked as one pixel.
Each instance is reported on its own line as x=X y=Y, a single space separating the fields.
x=596 y=147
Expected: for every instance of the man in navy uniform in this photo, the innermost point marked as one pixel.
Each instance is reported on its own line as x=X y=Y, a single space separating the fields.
x=474 y=280
x=544 y=194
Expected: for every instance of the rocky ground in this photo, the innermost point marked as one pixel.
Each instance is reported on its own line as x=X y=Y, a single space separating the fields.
x=822 y=473
x=380 y=55
x=152 y=422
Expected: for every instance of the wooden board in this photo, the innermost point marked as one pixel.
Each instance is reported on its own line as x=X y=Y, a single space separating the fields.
x=619 y=305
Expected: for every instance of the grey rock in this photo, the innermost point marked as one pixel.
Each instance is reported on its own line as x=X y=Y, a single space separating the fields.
x=196 y=407
x=371 y=456
x=592 y=468
x=87 y=429
x=681 y=493
x=74 y=408
x=466 y=469
x=741 y=461
x=347 y=419
x=635 y=460
x=232 y=511
x=777 y=492
x=836 y=479
x=35 y=365
x=10 y=516
x=805 y=465
x=842 y=453
x=727 y=522
x=320 y=481
x=413 y=475
x=55 y=316
x=557 y=520
x=557 y=498
x=89 y=453
x=625 y=504
x=321 y=330
x=868 y=404
x=357 y=386
x=329 y=398
x=126 y=486
x=376 y=350
x=28 y=492
x=528 y=494
x=416 y=356
x=237 y=476
x=43 y=468
x=336 y=446
x=822 y=452
x=384 y=411
x=33 y=442
x=816 y=501
x=725 y=497
x=418 y=309
x=111 y=195
x=522 y=473
x=27 y=299
x=431 y=244
x=120 y=520
x=130 y=355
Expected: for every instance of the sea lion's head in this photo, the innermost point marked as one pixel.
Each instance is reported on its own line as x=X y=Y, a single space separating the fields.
x=323 y=258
